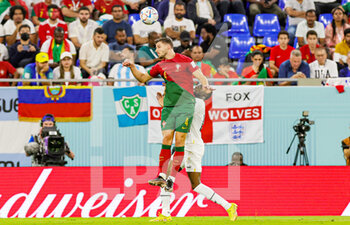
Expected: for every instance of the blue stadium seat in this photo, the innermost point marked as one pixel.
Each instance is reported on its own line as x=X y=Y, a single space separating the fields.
x=344 y=1
x=240 y=45
x=134 y=17
x=155 y=83
x=239 y=24
x=266 y=24
x=295 y=42
x=270 y=40
x=325 y=18
x=281 y=4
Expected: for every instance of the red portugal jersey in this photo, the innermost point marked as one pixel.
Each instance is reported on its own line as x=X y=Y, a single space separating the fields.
x=46 y=30
x=5 y=69
x=104 y=8
x=306 y=54
x=279 y=56
x=177 y=73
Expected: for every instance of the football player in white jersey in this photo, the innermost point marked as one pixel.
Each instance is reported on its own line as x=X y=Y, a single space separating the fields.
x=194 y=151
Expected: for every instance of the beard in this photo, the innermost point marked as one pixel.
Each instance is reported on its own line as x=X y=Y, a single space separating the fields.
x=179 y=16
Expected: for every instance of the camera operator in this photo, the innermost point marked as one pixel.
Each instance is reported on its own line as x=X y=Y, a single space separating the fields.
x=40 y=146
x=346 y=149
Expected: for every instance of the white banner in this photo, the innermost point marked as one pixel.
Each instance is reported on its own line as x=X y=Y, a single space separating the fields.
x=338 y=81
x=234 y=115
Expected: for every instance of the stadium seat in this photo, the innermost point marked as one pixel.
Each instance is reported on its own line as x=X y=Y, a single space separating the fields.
x=133 y=18
x=240 y=45
x=344 y=1
x=325 y=18
x=281 y=4
x=266 y=24
x=155 y=83
x=239 y=24
x=295 y=43
x=270 y=40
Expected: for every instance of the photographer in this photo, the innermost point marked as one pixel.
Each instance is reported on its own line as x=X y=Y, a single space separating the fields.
x=48 y=148
x=23 y=52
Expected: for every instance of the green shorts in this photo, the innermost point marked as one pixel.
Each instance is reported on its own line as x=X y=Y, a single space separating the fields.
x=177 y=119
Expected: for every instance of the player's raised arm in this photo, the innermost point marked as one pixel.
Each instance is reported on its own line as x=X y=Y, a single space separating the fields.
x=141 y=77
x=200 y=76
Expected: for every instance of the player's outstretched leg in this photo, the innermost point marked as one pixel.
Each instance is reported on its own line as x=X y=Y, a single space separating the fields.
x=165 y=215
x=209 y=193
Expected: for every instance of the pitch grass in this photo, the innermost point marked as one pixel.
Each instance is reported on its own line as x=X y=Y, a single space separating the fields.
x=295 y=220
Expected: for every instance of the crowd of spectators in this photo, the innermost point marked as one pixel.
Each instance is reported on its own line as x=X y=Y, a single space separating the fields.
x=44 y=39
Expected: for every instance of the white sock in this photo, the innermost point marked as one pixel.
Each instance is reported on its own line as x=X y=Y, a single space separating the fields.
x=212 y=196
x=172 y=178
x=165 y=196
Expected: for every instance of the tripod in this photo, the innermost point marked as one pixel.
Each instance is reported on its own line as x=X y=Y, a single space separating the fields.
x=301 y=150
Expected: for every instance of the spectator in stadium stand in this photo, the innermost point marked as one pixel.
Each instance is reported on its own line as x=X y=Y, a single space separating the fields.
x=147 y=55
x=294 y=68
x=342 y=49
x=185 y=44
x=7 y=71
x=47 y=28
x=175 y=25
x=21 y=3
x=134 y=6
x=197 y=56
x=82 y=30
x=40 y=12
x=94 y=54
x=229 y=6
x=296 y=10
x=325 y=6
x=117 y=22
x=308 y=50
x=4 y=54
x=345 y=72
x=280 y=53
x=202 y=12
x=225 y=71
x=323 y=67
x=38 y=70
x=2 y=33
x=214 y=47
x=257 y=70
x=346 y=150
x=67 y=70
x=24 y=51
x=310 y=24
x=141 y=31
x=265 y=6
x=56 y=46
x=115 y=48
x=237 y=160
x=17 y=18
x=70 y=8
x=335 y=30
x=166 y=10
x=119 y=71
x=105 y=7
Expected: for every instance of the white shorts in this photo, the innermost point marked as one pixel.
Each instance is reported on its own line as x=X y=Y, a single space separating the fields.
x=193 y=157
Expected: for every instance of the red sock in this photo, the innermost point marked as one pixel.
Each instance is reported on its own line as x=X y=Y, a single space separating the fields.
x=164 y=157
x=177 y=160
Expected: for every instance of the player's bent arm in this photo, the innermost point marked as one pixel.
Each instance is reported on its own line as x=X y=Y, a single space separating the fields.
x=200 y=76
x=141 y=77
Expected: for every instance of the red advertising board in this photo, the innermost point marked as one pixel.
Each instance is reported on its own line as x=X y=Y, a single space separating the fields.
x=123 y=191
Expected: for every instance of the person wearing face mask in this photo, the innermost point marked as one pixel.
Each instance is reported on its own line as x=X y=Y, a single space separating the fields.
x=47 y=28
x=23 y=52
x=174 y=26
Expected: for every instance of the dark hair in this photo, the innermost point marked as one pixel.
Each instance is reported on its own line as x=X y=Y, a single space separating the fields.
x=258 y=52
x=209 y=28
x=310 y=11
x=283 y=32
x=180 y=3
x=83 y=8
x=117 y=6
x=311 y=32
x=165 y=40
x=23 y=26
x=48 y=117
x=99 y=30
x=52 y=6
x=346 y=31
x=119 y=30
x=199 y=93
x=14 y=8
x=59 y=29
x=150 y=34
x=333 y=22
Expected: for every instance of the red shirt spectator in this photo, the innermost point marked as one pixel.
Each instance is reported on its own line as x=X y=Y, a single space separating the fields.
x=306 y=53
x=105 y=6
x=279 y=56
x=5 y=70
x=70 y=8
x=230 y=75
x=39 y=12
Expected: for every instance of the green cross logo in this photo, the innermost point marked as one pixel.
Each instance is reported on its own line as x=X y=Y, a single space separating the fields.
x=131 y=105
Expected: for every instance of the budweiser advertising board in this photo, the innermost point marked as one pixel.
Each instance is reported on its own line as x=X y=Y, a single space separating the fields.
x=123 y=191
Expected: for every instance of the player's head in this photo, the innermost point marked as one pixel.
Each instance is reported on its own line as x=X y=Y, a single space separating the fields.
x=202 y=93
x=163 y=46
x=48 y=121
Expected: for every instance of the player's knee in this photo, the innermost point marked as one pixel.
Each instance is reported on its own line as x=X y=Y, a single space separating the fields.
x=194 y=184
